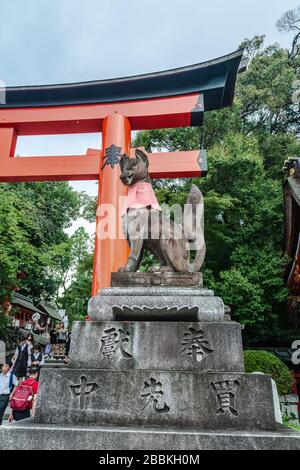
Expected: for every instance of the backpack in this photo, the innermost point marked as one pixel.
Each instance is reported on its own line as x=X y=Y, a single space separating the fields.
x=22 y=398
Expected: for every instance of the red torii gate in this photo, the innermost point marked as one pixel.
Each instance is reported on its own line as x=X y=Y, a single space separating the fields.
x=175 y=98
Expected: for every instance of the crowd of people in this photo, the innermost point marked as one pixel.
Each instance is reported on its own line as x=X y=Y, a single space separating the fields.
x=20 y=377
x=59 y=342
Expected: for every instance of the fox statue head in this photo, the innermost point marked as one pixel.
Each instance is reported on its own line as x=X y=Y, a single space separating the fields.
x=134 y=170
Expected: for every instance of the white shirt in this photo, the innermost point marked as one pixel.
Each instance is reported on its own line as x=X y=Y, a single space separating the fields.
x=4 y=383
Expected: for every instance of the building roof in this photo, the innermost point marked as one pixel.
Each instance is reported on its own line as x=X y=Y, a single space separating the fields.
x=25 y=302
x=50 y=309
x=44 y=308
x=214 y=78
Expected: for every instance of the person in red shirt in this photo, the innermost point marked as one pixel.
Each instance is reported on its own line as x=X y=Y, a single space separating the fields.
x=32 y=382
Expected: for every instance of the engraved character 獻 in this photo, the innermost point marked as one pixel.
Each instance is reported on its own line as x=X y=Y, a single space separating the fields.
x=113 y=340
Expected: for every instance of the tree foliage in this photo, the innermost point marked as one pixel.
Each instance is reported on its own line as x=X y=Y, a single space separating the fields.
x=76 y=296
x=35 y=251
x=267 y=363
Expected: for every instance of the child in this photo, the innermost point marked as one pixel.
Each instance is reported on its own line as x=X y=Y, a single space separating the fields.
x=8 y=381
x=47 y=350
x=37 y=358
x=23 y=398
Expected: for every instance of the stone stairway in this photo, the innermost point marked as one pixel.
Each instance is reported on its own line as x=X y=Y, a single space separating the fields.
x=54 y=363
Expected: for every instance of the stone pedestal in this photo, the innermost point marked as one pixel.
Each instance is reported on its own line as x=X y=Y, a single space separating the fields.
x=156 y=368
x=289 y=408
x=166 y=399
x=156 y=278
x=156 y=304
x=157 y=346
x=74 y=437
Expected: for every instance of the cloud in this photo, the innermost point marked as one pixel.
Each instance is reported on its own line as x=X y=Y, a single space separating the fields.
x=53 y=41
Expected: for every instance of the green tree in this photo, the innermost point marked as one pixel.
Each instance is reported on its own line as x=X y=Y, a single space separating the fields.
x=290 y=23
x=35 y=251
x=17 y=229
x=267 y=363
x=77 y=294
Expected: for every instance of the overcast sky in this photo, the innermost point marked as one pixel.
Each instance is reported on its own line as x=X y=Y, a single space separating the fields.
x=55 y=41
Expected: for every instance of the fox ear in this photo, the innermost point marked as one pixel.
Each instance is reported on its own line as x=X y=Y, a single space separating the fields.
x=123 y=160
x=142 y=156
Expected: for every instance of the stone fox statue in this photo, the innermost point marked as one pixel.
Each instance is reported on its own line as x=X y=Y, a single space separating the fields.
x=145 y=226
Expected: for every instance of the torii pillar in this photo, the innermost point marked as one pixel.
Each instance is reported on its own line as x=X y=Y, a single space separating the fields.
x=111 y=253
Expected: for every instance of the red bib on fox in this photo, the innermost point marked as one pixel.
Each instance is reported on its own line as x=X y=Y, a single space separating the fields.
x=140 y=195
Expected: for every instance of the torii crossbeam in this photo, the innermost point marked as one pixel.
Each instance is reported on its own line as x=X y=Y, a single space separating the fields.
x=174 y=98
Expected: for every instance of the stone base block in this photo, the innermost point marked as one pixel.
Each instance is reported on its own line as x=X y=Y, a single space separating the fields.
x=156 y=304
x=159 y=278
x=157 y=345
x=32 y=436
x=166 y=399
